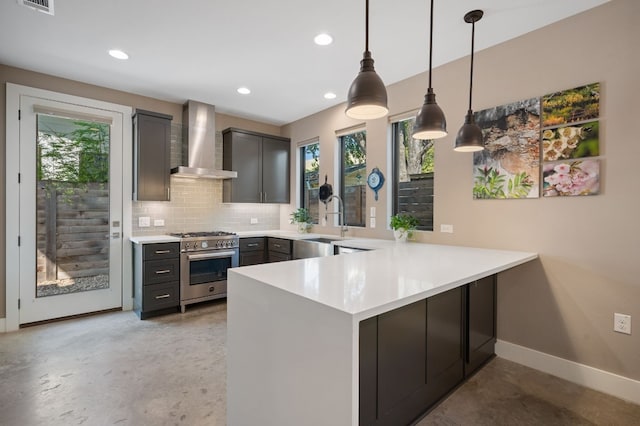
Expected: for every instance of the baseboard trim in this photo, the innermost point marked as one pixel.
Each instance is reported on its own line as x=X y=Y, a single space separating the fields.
x=3 y=325
x=600 y=380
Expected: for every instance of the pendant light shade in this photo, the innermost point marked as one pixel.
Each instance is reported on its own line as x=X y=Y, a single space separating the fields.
x=469 y=138
x=367 y=98
x=430 y=122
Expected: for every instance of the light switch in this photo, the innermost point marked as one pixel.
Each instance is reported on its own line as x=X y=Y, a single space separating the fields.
x=373 y=214
x=372 y=222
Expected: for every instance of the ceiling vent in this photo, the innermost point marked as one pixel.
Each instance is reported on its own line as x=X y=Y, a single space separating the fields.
x=44 y=6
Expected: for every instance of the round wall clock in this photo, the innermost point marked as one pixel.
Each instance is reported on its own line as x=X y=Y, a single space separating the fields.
x=375 y=180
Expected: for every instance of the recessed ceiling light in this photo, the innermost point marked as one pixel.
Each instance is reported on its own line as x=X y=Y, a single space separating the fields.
x=329 y=95
x=323 y=39
x=243 y=90
x=118 y=54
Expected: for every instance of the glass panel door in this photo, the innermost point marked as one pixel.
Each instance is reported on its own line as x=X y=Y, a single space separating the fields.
x=70 y=253
x=72 y=193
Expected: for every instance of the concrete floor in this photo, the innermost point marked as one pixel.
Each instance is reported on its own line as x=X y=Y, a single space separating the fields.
x=113 y=369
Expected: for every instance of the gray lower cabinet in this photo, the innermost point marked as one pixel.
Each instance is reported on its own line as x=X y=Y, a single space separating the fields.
x=481 y=323
x=413 y=356
x=252 y=251
x=279 y=249
x=156 y=282
x=152 y=149
x=262 y=163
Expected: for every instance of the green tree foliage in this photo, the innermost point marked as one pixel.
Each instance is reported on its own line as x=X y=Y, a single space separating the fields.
x=79 y=156
x=355 y=151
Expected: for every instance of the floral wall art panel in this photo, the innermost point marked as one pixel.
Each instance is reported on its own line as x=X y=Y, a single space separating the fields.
x=509 y=166
x=572 y=141
x=571 y=178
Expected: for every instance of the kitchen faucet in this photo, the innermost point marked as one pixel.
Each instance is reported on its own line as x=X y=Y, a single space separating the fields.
x=343 y=225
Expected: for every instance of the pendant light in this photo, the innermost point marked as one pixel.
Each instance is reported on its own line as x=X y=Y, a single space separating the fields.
x=469 y=137
x=367 y=97
x=430 y=122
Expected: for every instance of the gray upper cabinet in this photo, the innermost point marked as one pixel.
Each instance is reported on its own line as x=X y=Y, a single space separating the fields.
x=262 y=163
x=152 y=148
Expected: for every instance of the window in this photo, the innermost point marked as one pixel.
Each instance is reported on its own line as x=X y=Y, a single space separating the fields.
x=353 y=177
x=413 y=174
x=310 y=181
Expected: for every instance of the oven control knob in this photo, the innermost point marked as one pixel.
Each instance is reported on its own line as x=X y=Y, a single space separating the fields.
x=204 y=244
x=186 y=246
x=195 y=246
x=218 y=244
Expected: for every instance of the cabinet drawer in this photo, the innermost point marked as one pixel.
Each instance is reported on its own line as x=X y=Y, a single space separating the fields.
x=160 y=296
x=252 y=244
x=252 y=258
x=161 y=251
x=280 y=245
x=159 y=271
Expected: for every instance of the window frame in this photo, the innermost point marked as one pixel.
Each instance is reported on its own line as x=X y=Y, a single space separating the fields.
x=301 y=173
x=342 y=170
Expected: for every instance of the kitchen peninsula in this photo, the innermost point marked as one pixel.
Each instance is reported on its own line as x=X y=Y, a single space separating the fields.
x=305 y=335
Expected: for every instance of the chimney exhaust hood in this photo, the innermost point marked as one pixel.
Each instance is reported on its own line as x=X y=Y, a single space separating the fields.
x=199 y=143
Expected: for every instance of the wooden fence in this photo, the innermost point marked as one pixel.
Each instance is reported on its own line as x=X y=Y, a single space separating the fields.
x=72 y=230
x=416 y=198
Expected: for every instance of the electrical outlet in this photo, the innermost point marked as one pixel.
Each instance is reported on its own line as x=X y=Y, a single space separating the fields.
x=372 y=222
x=144 y=221
x=158 y=222
x=622 y=323
x=446 y=228
x=254 y=220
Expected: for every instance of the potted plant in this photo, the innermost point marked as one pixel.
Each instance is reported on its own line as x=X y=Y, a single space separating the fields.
x=403 y=226
x=301 y=217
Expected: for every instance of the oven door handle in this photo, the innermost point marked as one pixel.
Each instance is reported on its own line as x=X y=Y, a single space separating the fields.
x=202 y=256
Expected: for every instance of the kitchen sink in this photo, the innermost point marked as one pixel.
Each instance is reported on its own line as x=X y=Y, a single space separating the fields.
x=313 y=247
x=323 y=240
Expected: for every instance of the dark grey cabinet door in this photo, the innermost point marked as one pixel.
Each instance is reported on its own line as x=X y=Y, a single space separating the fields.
x=243 y=152
x=401 y=361
x=152 y=133
x=262 y=163
x=275 y=170
x=481 y=314
x=445 y=332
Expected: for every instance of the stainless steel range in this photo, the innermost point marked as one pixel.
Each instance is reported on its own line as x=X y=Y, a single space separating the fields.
x=204 y=260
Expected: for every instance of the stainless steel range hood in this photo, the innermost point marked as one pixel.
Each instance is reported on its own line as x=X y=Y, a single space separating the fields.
x=199 y=143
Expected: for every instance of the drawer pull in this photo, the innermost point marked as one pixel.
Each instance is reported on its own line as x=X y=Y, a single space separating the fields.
x=164 y=271
x=277 y=245
x=163 y=251
x=253 y=245
x=163 y=296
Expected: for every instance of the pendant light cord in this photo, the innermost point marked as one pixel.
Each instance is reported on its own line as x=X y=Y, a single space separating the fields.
x=473 y=31
x=430 y=43
x=366 y=28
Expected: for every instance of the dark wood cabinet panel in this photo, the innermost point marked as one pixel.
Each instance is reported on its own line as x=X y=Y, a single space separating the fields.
x=156 y=279
x=401 y=360
x=152 y=139
x=275 y=170
x=481 y=323
x=445 y=331
x=279 y=249
x=252 y=251
x=413 y=356
x=242 y=152
x=262 y=163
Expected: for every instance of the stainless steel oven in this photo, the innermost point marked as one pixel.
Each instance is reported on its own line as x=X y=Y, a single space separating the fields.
x=205 y=258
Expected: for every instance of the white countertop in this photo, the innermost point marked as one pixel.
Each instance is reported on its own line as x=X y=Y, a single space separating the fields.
x=367 y=283
x=150 y=239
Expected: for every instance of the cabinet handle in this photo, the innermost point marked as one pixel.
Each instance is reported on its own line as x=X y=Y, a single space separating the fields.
x=164 y=271
x=163 y=296
x=252 y=245
x=163 y=251
x=265 y=198
x=168 y=192
x=276 y=245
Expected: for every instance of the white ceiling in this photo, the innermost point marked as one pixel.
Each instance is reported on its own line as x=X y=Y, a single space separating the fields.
x=205 y=49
